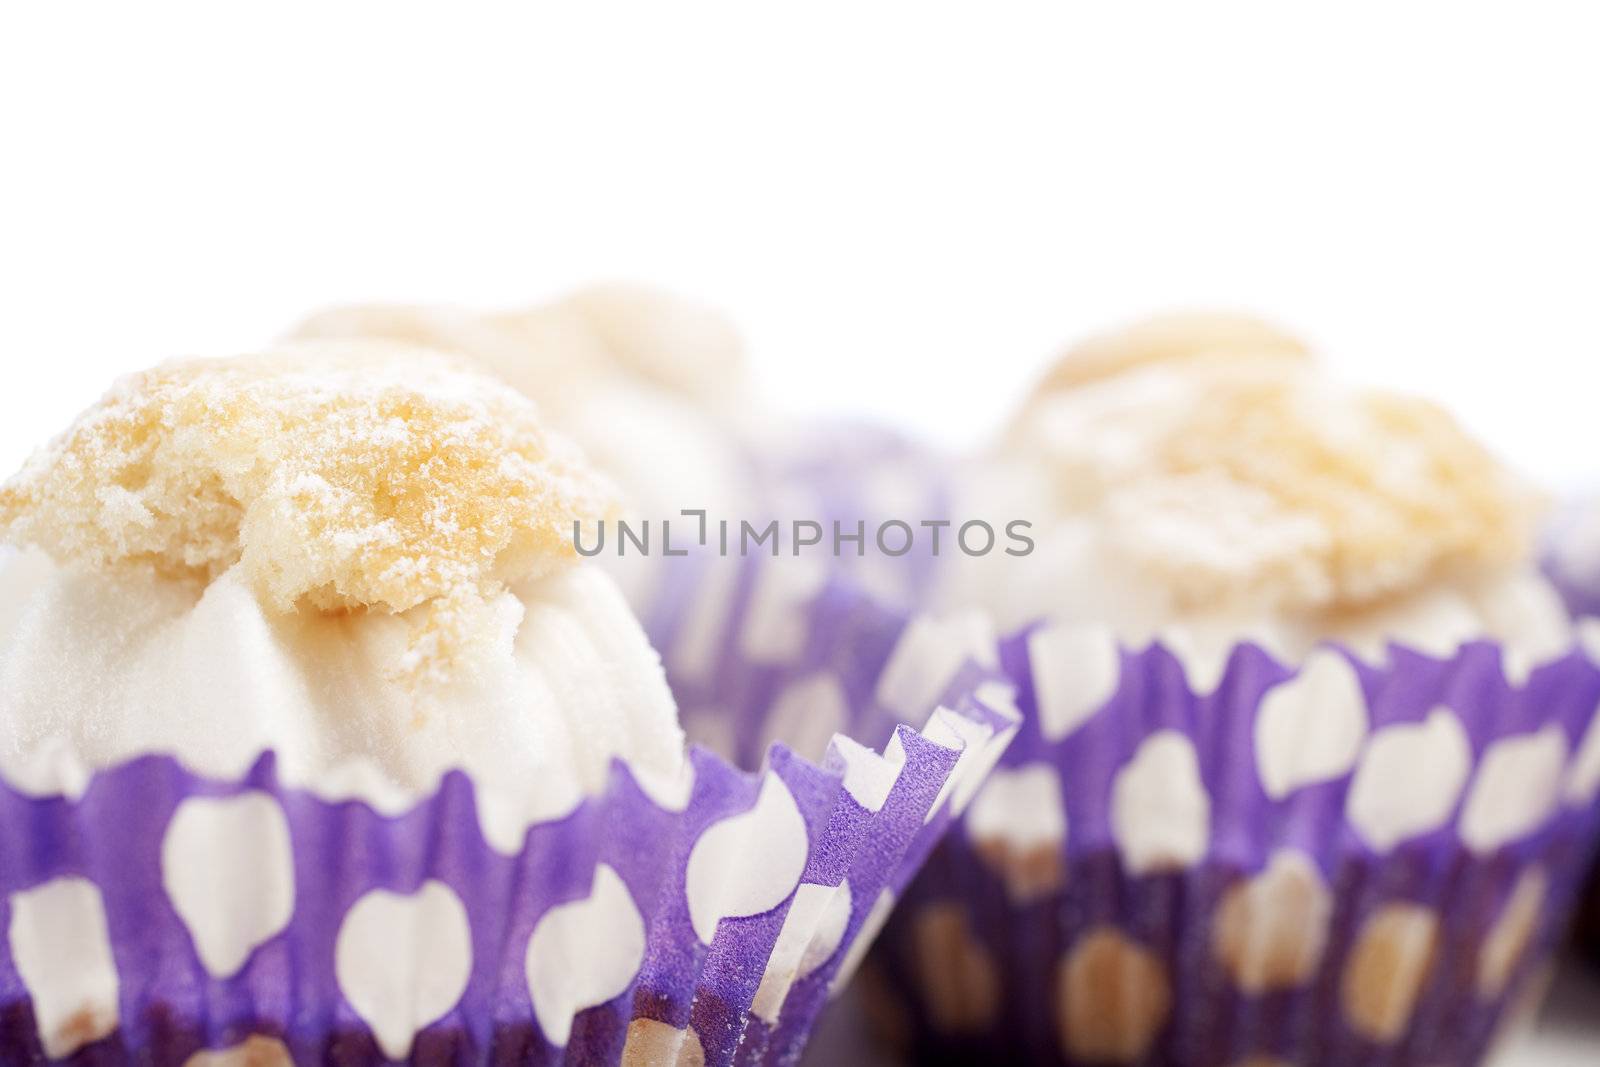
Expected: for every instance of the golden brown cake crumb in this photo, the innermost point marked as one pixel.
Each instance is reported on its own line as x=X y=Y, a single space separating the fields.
x=340 y=477
x=1401 y=495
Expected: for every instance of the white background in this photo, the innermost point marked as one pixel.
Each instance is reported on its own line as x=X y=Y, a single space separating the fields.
x=908 y=208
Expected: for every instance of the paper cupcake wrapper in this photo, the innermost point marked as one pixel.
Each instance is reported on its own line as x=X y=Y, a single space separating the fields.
x=856 y=475
x=159 y=916
x=853 y=472
x=1332 y=864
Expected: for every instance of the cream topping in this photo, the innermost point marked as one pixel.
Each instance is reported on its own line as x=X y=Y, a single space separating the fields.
x=97 y=668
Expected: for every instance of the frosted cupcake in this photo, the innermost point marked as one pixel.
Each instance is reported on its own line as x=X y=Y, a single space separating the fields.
x=317 y=743
x=1308 y=765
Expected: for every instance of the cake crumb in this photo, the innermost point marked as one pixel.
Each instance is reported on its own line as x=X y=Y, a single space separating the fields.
x=1243 y=472
x=342 y=477
x=1404 y=496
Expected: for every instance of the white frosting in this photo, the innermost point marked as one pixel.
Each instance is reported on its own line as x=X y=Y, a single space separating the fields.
x=108 y=668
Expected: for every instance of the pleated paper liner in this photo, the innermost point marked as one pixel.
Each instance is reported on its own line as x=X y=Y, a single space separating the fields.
x=159 y=917
x=1331 y=863
x=857 y=477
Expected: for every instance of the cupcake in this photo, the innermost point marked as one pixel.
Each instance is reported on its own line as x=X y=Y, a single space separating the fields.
x=318 y=743
x=1308 y=765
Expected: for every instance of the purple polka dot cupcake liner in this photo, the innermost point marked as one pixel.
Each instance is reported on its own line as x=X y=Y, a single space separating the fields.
x=870 y=480
x=158 y=917
x=884 y=496
x=1335 y=862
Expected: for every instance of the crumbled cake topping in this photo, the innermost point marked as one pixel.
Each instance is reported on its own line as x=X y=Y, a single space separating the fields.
x=1399 y=494
x=341 y=477
x=1241 y=474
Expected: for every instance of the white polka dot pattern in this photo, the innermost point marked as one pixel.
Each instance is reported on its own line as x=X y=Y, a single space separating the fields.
x=228 y=870
x=62 y=948
x=1076 y=669
x=402 y=961
x=584 y=953
x=1517 y=786
x=1397 y=835
x=1409 y=779
x=768 y=842
x=1310 y=728
x=1160 y=812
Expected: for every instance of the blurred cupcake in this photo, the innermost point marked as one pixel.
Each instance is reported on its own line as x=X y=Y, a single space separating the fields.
x=1197 y=478
x=650 y=386
x=653 y=388
x=1308 y=765
x=318 y=744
